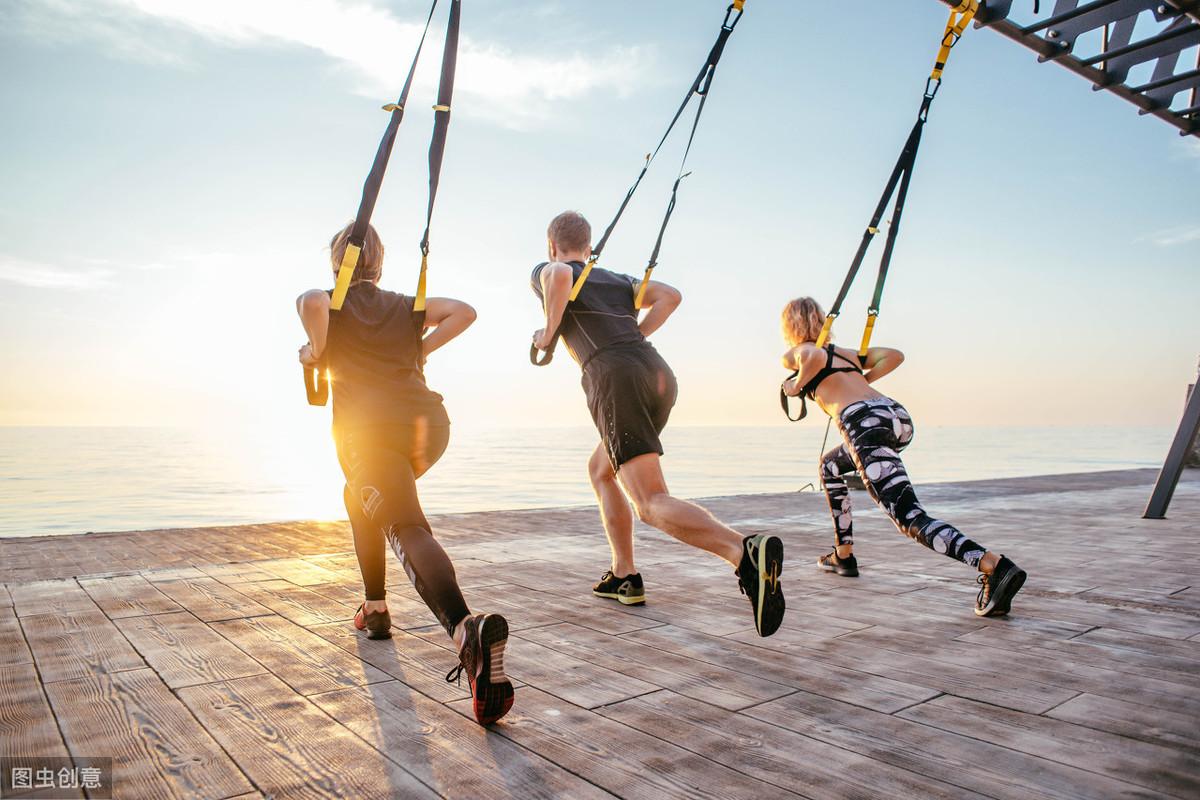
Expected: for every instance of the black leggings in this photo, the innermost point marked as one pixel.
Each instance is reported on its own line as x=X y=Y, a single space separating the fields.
x=382 y=464
x=875 y=431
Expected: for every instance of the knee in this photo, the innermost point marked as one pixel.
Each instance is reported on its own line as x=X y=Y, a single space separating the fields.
x=600 y=472
x=647 y=507
x=830 y=471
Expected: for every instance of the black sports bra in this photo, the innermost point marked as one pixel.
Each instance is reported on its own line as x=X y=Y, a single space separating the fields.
x=829 y=369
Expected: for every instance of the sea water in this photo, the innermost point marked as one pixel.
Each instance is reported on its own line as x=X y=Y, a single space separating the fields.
x=74 y=480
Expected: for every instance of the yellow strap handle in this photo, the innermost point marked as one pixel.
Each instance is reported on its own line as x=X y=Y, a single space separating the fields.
x=867 y=331
x=738 y=4
x=825 y=329
x=344 y=276
x=641 y=294
x=419 y=299
x=960 y=17
x=583 y=276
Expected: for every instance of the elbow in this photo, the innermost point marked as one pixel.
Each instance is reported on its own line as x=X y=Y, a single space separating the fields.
x=673 y=297
x=468 y=315
x=899 y=358
x=312 y=303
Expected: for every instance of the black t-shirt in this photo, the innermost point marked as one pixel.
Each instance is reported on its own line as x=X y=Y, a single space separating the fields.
x=603 y=316
x=373 y=354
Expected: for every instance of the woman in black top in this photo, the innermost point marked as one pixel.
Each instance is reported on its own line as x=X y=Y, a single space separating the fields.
x=875 y=429
x=390 y=428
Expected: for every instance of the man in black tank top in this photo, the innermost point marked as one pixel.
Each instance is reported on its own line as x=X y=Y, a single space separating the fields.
x=630 y=391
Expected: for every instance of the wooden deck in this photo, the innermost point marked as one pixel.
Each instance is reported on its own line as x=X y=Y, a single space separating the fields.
x=218 y=663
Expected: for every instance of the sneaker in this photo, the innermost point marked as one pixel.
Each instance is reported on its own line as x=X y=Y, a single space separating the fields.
x=628 y=590
x=997 y=590
x=758 y=576
x=482 y=658
x=377 y=624
x=847 y=566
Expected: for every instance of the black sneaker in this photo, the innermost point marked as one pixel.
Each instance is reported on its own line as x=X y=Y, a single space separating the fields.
x=628 y=590
x=377 y=624
x=758 y=578
x=997 y=590
x=482 y=658
x=847 y=566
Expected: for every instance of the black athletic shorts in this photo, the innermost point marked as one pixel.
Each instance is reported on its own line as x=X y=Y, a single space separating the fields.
x=630 y=392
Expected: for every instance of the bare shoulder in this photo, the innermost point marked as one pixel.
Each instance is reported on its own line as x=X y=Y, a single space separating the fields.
x=312 y=301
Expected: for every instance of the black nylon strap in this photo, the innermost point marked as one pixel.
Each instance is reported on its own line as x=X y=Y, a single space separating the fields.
x=699 y=88
x=784 y=400
x=366 y=206
x=441 y=125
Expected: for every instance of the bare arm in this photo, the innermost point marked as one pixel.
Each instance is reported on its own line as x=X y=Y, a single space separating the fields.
x=881 y=361
x=313 y=308
x=448 y=318
x=806 y=359
x=661 y=300
x=556 y=290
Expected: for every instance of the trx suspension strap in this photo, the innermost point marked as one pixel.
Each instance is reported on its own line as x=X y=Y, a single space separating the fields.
x=897 y=184
x=316 y=382
x=699 y=88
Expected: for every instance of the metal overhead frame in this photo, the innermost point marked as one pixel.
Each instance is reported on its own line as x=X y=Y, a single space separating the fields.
x=1174 y=29
x=1117 y=52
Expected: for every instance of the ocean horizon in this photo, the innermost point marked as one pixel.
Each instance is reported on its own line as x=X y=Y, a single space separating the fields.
x=68 y=480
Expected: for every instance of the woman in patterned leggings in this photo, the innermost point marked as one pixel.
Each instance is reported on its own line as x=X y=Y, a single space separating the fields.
x=875 y=429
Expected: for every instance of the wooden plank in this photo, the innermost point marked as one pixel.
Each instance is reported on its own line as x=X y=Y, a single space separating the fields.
x=623 y=761
x=210 y=600
x=407 y=609
x=727 y=688
x=1161 y=725
x=302 y=606
x=790 y=668
x=1150 y=765
x=50 y=597
x=298 y=571
x=446 y=751
x=290 y=748
x=237 y=572
x=127 y=596
x=27 y=726
x=410 y=659
x=184 y=651
x=527 y=608
x=158 y=748
x=13 y=649
x=574 y=680
x=74 y=645
x=985 y=769
x=5 y=597
x=303 y=660
x=780 y=757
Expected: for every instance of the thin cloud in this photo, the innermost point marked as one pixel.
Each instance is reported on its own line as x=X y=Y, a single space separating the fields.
x=367 y=42
x=1181 y=234
x=38 y=275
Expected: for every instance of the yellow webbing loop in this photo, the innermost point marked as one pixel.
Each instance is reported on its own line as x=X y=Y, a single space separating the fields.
x=344 y=276
x=960 y=16
x=419 y=298
x=441 y=108
x=583 y=276
x=641 y=295
x=393 y=107
x=867 y=331
x=825 y=329
x=738 y=4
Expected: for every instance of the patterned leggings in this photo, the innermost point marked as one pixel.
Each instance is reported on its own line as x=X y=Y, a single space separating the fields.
x=875 y=431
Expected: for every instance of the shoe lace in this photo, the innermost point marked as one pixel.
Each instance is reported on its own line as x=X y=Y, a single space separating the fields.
x=455 y=675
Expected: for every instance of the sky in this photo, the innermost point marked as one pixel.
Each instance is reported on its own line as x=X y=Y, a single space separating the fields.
x=172 y=173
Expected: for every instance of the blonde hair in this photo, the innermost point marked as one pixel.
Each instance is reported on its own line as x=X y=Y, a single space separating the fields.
x=570 y=231
x=801 y=321
x=370 y=260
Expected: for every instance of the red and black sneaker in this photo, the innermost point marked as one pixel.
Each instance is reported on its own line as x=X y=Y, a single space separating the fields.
x=482 y=659
x=377 y=624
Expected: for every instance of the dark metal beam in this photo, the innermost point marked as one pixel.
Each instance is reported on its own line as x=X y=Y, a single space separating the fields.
x=1168 y=477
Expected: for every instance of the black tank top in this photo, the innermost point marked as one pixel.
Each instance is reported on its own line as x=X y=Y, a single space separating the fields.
x=373 y=357
x=810 y=388
x=602 y=316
